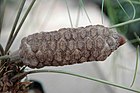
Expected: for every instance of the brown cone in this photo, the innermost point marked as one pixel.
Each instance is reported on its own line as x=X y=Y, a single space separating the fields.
x=69 y=46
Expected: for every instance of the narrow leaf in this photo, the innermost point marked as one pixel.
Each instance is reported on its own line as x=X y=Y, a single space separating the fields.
x=134 y=9
x=84 y=77
x=110 y=10
x=136 y=67
x=20 y=25
x=1 y=50
x=2 y=11
x=102 y=10
x=123 y=9
x=82 y=4
x=69 y=13
x=78 y=16
x=135 y=2
x=137 y=37
x=124 y=23
x=15 y=23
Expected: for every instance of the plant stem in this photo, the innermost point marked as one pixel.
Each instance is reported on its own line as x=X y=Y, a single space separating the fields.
x=14 y=56
x=85 y=77
x=4 y=57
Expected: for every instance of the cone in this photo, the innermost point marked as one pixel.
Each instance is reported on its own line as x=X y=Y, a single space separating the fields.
x=69 y=46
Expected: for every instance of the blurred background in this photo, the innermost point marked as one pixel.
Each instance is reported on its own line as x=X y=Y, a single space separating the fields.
x=50 y=15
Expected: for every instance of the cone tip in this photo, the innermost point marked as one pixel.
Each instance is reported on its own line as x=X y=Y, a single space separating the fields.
x=122 y=40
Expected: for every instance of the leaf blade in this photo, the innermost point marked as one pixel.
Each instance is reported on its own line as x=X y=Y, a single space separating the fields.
x=20 y=25
x=15 y=23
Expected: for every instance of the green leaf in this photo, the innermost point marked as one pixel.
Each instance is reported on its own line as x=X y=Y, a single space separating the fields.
x=82 y=4
x=111 y=11
x=1 y=50
x=102 y=11
x=69 y=13
x=136 y=67
x=134 y=9
x=78 y=16
x=123 y=9
x=2 y=11
x=15 y=23
x=85 y=77
x=19 y=26
x=125 y=23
